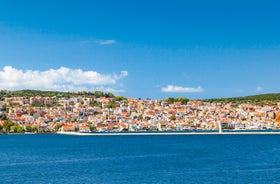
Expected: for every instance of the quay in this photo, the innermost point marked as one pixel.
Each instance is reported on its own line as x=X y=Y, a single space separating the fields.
x=169 y=133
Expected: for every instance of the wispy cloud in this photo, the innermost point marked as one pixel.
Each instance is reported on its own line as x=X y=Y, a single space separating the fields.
x=180 y=89
x=106 y=42
x=258 y=89
x=62 y=79
x=109 y=89
x=99 y=42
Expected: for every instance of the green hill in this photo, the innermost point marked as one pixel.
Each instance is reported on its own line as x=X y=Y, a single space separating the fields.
x=256 y=99
x=30 y=93
x=270 y=99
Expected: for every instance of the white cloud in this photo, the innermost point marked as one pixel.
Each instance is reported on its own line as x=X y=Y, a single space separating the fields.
x=259 y=89
x=100 y=42
x=106 y=42
x=180 y=89
x=61 y=79
x=124 y=73
x=109 y=89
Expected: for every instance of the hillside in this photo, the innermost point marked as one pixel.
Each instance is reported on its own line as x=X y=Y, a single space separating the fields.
x=30 y=93
x=257 y=99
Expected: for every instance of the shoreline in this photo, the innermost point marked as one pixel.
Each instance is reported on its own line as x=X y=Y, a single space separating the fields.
x=165 y=133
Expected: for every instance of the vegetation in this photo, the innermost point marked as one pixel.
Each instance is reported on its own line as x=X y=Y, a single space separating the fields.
x=269 y=99
x=171 y=100
x=10 y=127
x=120 y=98
x=32 y=93
x=172 y=118
x=95 y=104
x=256 y=99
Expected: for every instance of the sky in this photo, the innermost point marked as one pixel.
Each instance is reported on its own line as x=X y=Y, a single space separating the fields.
x=197 y=49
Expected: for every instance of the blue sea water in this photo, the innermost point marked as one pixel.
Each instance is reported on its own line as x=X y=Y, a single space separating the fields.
x=52 y=158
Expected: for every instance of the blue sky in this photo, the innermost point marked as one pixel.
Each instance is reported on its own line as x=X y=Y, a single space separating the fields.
x=143 y=49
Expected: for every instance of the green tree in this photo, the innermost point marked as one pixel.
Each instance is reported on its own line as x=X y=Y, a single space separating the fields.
x=170 y=100
x=35 y=129
x=16 y=128
x=172 y=118
x=98 y=94
x=19 y=129
x=110 y=105
x=93 y=129
x=109 y=95
x=28 y=128
x=183 y=101
x=7 y=126
x=120 y=98
x=95 y=104
x=3 y=116
x=13 y=129
x=140 y=117
x=4 y=108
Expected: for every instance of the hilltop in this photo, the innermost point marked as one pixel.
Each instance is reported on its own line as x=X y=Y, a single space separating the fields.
x=256 y=99
x=262 y=99
x=32 y=93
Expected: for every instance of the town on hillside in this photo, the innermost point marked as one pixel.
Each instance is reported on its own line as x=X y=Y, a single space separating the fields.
x=41 y=114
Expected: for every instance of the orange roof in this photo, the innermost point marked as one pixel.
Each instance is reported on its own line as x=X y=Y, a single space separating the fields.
x=83 y=127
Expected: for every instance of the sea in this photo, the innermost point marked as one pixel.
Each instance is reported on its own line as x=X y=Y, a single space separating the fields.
x=54 y=158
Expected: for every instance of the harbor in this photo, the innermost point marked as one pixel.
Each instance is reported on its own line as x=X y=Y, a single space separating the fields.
x=171 y=133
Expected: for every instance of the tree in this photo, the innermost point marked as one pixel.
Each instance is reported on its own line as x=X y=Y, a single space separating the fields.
x=172 y=118
x=35 y=129
x=95 y=104
x=120 y=98
x=170 y=100
x=16 y=128
x=92 y=129
x=7 y=126
x=19 y=129
x=110 y=105
x=28 y=128
x=140 y=117
x=184 y=101
x=4 y=108
x=3 y=116
x=110 y=95
x=98 y=94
